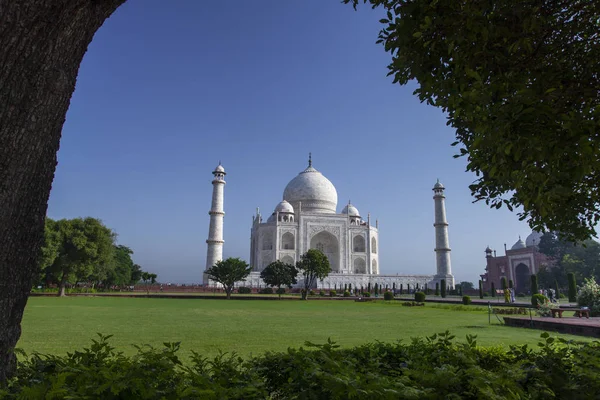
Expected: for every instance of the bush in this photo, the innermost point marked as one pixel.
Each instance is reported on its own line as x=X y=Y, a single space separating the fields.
x=366 y=294
x=521 y=294
x=534 y=284
x=311 y=293
x=267 y=290
x=589 y=296
x=412 y=304
x=511 y=311
x=466 y=300
x=346 y=293
x=388 y=296
x=545 y=309
x=419 y=297
x=538 y=299
x=332 y=293
x=322 y=293
x=280 y=291
x=244 y=290
x=420 y=367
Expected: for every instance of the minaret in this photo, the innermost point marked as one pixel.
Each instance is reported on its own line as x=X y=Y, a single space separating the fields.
x=442 y=244
x=215 y=241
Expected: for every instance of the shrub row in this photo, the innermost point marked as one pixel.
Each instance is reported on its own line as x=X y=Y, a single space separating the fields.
x=435 y=367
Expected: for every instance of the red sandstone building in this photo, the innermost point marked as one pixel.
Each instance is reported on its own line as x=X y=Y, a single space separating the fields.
x=517 y=264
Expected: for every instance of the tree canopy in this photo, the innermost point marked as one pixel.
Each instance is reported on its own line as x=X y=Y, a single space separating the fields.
x=84 y=251
x=582 y=259
x=279 y=274
x=313 y=265
x=229 y=271
x=519 y=82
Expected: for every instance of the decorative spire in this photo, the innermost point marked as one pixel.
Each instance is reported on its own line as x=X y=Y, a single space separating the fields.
x=310 y=159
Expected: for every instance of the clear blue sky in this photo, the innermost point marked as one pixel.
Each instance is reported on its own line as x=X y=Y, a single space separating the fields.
x=167 y=89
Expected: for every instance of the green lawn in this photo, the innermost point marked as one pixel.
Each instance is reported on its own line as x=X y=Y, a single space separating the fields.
x=57 y=325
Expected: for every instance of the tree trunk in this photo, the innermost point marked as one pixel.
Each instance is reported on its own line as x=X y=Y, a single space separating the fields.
x=42 y=43
x=228 y=292
x=61 y=285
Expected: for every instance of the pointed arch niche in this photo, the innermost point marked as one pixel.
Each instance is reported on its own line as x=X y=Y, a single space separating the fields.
x=328 y=244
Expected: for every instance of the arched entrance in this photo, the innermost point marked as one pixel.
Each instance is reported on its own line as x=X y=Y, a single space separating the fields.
x=328 y=244
x=522 y=278
x=360 y=266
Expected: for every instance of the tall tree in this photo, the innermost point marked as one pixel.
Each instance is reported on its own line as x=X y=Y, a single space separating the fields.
x=42 y=43
x=136 y=274
x=279 y=274
x=86 y=246
x=120 y=274
x=313 y=265
x=229 y=271
x=466 y=285
x=519 y=82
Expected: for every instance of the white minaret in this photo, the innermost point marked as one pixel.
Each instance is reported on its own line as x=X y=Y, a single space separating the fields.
x=215 y=241
x=442 y=244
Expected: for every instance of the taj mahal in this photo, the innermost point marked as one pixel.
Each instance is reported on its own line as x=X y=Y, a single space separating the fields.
x=307 y=218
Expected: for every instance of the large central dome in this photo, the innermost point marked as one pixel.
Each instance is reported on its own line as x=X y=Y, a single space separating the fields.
x=316 y=193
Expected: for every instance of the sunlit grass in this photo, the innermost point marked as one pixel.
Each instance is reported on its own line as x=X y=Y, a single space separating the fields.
x=58 y=325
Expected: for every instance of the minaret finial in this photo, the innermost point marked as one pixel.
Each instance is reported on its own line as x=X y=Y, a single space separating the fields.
x=310 y=159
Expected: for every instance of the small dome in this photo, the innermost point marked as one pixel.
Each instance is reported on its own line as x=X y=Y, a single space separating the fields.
x=520 y=244
x=351 y=211
x=533 y=239
x=438 y=185
x=284 y=207
x=220 y=168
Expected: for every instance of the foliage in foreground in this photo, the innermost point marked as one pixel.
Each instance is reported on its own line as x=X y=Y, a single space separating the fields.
x=430 y=368
x=511 y=76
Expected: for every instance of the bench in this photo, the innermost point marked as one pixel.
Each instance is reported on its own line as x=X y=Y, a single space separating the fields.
x=580 y=313
x=558 y=311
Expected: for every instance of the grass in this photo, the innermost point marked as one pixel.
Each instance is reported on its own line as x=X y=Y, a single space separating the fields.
x=58 y=325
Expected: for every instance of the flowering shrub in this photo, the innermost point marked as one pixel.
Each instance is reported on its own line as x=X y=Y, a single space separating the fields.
x=589 y=296
x=545 y=309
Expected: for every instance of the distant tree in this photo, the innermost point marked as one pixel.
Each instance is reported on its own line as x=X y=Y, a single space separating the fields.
x=136 y=274
x=50 y=248
x=85 y=244
x=480 y=289
x=466 y=285
x=278 y=274
x=229 y=271
x=493 y=290
x=534 y=284
x=581 y=259
x=120 y=274
x=148 y=277
x=557 y=288
x=376 y=289
x=443 y=288
x=503 y=283
x=313 y=265
x=511 y=284
x=572 y=287
x=437 y=288
x=528 y=82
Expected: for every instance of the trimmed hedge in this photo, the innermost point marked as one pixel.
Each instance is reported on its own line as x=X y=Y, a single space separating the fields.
x=419 y=297
x=332 y=293
x=346 y=293
x=267 y=290
x=538 y=299
x=466 y=300
x=244 y=290
x=388 y=296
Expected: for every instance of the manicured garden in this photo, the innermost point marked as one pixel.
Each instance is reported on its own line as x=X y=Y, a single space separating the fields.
x=58 y=325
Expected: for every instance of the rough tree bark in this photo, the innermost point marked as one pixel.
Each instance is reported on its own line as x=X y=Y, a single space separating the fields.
x=42 y=43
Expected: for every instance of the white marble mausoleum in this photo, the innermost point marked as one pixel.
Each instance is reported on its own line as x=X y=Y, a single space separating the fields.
x=307 y=218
